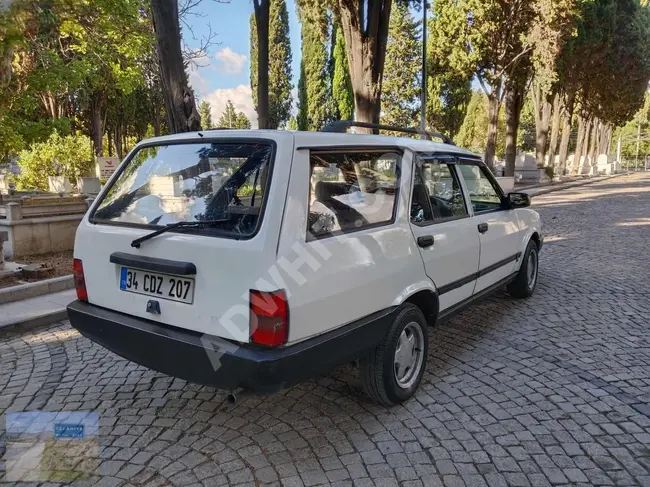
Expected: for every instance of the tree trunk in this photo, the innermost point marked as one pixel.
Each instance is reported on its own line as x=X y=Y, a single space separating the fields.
x=555 y=129
x=109 y=139
x=513 y=105
x=493 y=117
x=542 y=109
x=578 y=154
x=585 y=147
x=595 y=130
x=96 y=128
x=262 y=14
x=118 y=140
x=156 y=120
x=182 y=114
x=608 y=143
x=567 y=115
x=366 y=49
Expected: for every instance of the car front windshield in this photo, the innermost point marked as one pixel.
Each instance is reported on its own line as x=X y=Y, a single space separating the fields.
x=191 y=182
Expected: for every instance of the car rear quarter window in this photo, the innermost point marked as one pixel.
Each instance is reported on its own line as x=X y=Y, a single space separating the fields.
x=351 y=191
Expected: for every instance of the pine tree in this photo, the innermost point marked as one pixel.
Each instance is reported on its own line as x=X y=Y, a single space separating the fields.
x=341 y=85
x=206 y=115
x=314 y=91
x=401 y=72
x=279 y=64
x=242 y=121
x=228 y=119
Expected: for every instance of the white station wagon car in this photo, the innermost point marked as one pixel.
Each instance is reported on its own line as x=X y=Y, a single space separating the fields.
x=253 y=260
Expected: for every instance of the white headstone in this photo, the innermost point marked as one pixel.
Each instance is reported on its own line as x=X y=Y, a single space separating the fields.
x=89 y=185
x=59 y=184
x=526 y=161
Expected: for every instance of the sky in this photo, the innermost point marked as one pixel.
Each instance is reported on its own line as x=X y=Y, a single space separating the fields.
x=224 y=73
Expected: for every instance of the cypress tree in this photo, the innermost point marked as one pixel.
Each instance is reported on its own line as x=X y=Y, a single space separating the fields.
x=314 y=91
x=402 y=70
x=279 y=64
x=341 y=85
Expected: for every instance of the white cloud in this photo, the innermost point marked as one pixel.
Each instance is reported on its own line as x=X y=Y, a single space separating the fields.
x=229 y=61
x=241 y=97
x=199 y=84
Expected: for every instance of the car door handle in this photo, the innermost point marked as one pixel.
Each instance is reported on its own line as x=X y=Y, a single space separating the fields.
x=482 y=227
x=425 y=241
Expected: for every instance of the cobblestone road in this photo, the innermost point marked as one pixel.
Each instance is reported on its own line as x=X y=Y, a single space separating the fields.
x=550 y=391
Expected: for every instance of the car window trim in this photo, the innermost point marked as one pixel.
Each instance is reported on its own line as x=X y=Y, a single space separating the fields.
x=418 y=162
x=205 y=140
x=310 y=237
x=441 y=220
x=463 y=159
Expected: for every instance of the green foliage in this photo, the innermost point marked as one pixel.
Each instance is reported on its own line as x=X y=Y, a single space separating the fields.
x=526 y=135
x=205 y=111
x=401 y=88
x=293 y=124
x=629 y=133
x=232 y=119
x=70 y=59
x=279 y=64
x=69 y=156
x=473 y=132
x=314 y=89
x=607 y=64
x=341 y=84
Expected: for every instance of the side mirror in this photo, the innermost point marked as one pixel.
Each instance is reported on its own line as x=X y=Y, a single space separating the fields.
x=518 y=200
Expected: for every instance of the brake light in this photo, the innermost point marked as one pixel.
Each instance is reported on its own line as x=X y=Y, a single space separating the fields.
x=79 y=279
x=269 y=318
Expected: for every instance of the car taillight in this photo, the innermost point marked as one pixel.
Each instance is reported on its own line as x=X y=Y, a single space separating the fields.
x=269 y=318
x=79 y=279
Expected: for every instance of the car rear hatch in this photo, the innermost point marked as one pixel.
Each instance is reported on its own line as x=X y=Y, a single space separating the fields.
x=216 y=206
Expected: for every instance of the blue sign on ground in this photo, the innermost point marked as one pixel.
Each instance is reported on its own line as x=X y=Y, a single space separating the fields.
x=63 y=430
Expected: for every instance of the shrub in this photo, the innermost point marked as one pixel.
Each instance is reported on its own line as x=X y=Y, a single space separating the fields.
x=69 y=156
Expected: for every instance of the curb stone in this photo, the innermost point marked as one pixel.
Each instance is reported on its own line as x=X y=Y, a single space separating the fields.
x=35 y=289
x=34 y=322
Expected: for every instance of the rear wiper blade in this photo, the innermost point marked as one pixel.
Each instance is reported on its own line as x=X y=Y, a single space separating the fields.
x=171 y=226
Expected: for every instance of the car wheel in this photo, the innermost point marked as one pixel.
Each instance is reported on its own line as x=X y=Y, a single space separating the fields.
x=392 y=372
x=524 y=284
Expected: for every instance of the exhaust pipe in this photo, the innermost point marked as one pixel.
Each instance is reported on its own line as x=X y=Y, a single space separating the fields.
x=231 y=399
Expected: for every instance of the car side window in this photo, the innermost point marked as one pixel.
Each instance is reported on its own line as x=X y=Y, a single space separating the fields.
x=351 y=191
x=482 y=192
x=437 y=194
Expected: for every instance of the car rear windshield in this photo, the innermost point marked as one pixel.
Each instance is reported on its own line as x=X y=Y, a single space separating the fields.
x=191 y=182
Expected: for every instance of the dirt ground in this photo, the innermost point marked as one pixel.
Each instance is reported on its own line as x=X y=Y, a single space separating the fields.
x=61 y=262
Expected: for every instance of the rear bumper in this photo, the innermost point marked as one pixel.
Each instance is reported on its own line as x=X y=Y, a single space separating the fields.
x=216 y=362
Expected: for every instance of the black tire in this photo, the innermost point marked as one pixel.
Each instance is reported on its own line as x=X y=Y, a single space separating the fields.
x=377 y=369
x=523 y=286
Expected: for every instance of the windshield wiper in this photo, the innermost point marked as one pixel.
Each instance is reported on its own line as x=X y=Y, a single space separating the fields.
x=171 y=226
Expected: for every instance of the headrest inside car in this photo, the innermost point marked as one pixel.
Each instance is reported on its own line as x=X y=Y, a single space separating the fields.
x=326 y=190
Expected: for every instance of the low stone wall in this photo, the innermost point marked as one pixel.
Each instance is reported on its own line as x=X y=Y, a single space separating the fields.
x=32 y=236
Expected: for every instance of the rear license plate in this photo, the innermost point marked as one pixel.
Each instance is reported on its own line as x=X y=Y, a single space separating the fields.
x=161 y=286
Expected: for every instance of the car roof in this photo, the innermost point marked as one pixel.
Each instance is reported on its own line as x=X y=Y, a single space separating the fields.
x=319 y=140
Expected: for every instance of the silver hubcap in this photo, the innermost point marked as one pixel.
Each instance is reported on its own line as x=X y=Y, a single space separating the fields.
x=532 y=269
x=409 y=355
